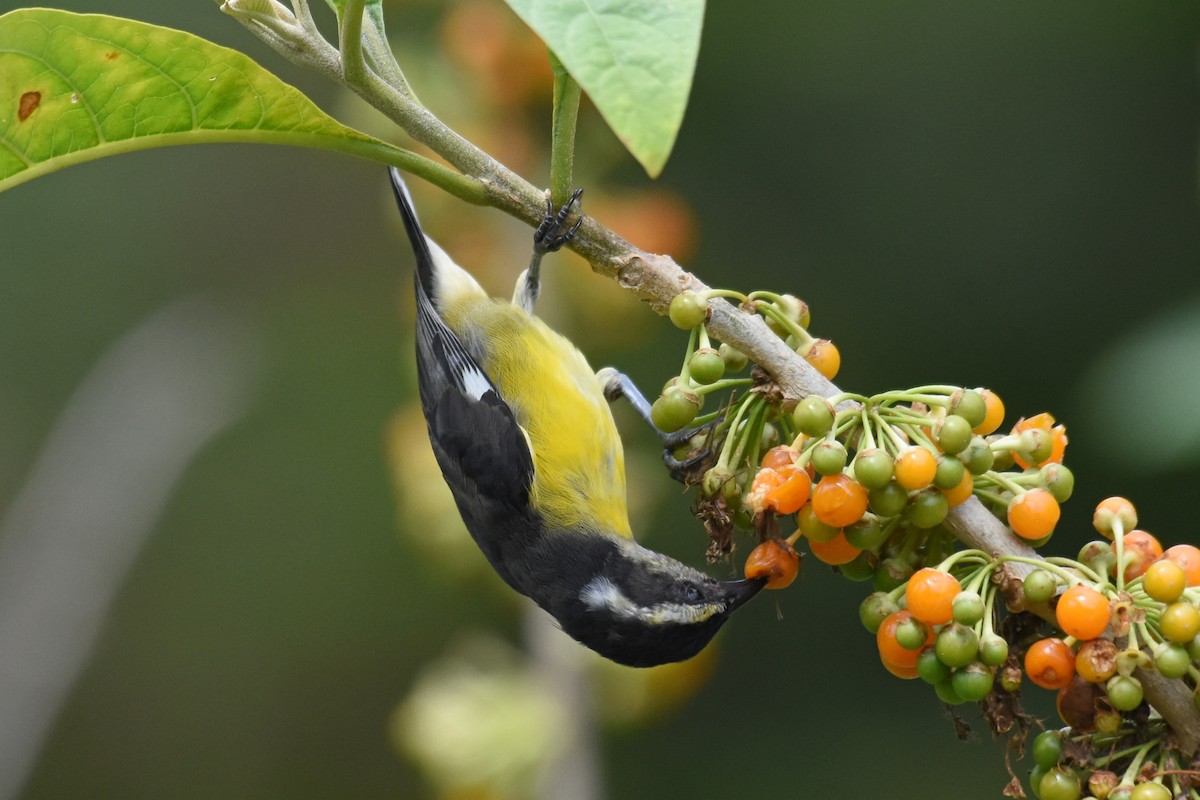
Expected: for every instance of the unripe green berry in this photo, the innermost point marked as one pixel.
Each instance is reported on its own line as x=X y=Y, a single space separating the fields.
x=862 y=568
x=829 y=457
x=889 y=500
x=890 y=573
x=813 y=416
x=953 y=434
x=866 y=534
x=993 y=650
x=674 y=409
x=875 y=609
x=1172 y=660
x=927 y=508
x=973 y=682
x=873 y=468
x=1124 y=692
x=949 y=471
x=735 y=360
x=956 y=645
x=978 y=457
x=946 y=693
x=688 y=310
x=1059 y=784
x=1040 y=586
x=706 y=366
x=911 y=634
x=970 y=405
x=1058 y=480
x=1035 y=445
x=967 y=608
x=930 y=669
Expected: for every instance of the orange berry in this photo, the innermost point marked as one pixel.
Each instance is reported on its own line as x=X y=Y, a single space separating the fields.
x=891 y=652
x=1033 y=514
x=1082 y=612
x=1096 y=660
x=789 y=496
x=930 y=595
x=1058 y=438
x=1110 y=510
x=1050 y=663
x=1188 y=557
x=775 y=560
x=839 y=500
x=766 y=480
x=1141 y=550
x=915 y=468
x=781 y=456
x=824 y=356
x=836 y=551
x=995 y=413
x=901 y=671
x=961 y=493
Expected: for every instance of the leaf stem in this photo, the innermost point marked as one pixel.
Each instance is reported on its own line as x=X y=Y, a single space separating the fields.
x=562 y=139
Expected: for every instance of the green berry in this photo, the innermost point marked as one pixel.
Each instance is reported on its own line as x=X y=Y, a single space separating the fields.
x=889 y=500
x=1058 y=480
x=829 y=457
x=1098 y=555
x=862 y=568
x=891 y=573
x=1172 y=660
x=1059 y=784
x=866 y=534
x=927 y=508
x=957 y=645
x=875 y=609
x=954 y=434
x=967 y=608
x=735 y=360
x=1124 y=692
x=813 y=416
x=945 y=692
x=930 y=668
x=706 y=366
x=969 y=404
x=993 y=650
x=978 y=457
x=1040 y=586
x=911 y=634
x=1001 y=459
x=1149 y=791
x=1035 y=445
x=688 y=310
x=949 y=472
x=812 y=528
x=973 y=682
x=873 y=468
x=1047 y=749
x=674 y=409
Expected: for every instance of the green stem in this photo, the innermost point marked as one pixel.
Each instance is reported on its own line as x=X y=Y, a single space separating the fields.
x=350 y=41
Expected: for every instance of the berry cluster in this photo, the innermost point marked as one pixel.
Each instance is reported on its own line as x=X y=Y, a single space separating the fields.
x=869 y=482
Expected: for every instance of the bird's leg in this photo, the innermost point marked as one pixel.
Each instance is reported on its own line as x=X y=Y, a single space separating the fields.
x=617 y=384
x=549 y=236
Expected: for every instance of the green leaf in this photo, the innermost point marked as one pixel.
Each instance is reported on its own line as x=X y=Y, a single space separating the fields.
x=634 y=58
x=76 y=87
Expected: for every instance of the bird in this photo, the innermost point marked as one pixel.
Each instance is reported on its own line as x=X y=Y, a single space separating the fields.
x=524 y=435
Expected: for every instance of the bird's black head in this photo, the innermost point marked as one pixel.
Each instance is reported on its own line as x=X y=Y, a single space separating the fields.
x=643 y=608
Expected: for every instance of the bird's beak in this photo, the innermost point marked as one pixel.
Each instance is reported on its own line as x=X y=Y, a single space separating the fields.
x=738 y=592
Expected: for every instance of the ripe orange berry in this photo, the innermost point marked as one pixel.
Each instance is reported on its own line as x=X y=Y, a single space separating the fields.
x=775 y=560
x=766 y=480
x=836 y=551
x=823 y=354
x=901 y=671
x=789 y=496
x=839 y=500
x=930 y=595
x=1188 y=557
x=1050 y=663
x=1058 y=438
x=915 y=468
x=994 y=415
x=1111 y=509
x=781 y=456
x=1082 y=612
x=1033 y=514
x=961 y=493
x=891 y=652
x=1141 y=550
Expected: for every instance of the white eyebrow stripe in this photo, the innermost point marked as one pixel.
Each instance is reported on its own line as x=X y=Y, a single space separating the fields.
x=600 y=593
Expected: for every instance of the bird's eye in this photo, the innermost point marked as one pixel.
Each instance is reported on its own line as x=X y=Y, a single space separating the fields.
x=691 y=594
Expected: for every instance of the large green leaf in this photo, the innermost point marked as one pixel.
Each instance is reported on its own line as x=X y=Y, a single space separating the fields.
x=75 y=87
x=634 y=58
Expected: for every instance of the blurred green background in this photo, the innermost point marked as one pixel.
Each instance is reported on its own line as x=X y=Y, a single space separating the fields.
x=991 y=194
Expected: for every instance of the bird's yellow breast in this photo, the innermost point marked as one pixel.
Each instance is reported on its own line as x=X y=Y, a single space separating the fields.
x=579 y=466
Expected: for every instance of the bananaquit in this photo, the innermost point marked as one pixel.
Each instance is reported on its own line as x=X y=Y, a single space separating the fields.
x=525 y=439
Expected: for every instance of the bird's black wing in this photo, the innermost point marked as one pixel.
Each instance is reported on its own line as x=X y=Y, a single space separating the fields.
x=482 y=450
